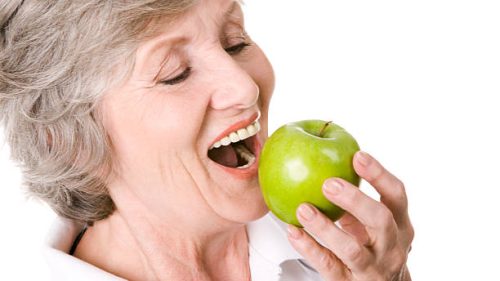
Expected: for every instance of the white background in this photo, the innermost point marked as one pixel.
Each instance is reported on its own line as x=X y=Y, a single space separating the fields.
x=416 y=82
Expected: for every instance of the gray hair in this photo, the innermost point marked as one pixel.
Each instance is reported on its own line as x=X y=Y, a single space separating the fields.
x=57 y=58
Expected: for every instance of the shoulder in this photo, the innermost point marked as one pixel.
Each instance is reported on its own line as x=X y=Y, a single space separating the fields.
x=64 y=266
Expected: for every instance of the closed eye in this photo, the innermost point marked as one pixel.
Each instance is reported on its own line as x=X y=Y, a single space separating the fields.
x=179 y=78
x=232 y=50
x=236 y=49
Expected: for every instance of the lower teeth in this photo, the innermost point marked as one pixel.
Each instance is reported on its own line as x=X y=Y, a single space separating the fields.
x=244 y=153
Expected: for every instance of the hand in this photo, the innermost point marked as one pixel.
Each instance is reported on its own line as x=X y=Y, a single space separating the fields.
x=374 y=238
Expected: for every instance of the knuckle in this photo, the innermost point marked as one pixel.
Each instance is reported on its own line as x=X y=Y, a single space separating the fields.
x=399 y=259
x=399 y=185
x=307 y=244
x=407 y=236
x=322 y=224
x=304 y=245
x=353 y=251
x=377 y=171
x=397 y=262
x=386 y=219
x=411 y=233
x=399 y=192
x=350 y=196
x=325 y=260
x=372 y=272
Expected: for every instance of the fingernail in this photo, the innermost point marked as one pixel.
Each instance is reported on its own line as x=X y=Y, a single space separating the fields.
x=333 y=187
x=293 y=231
x=306 y=212
x=363 y=158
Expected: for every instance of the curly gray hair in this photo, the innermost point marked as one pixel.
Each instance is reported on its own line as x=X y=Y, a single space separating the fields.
x=57 y=58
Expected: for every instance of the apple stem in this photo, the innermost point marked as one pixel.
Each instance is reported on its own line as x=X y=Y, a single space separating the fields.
x=324 y=128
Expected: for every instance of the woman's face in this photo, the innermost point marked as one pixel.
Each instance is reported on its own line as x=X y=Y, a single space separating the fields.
x=201 y=80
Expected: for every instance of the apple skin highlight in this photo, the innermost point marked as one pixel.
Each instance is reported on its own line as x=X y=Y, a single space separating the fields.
x=297 y=159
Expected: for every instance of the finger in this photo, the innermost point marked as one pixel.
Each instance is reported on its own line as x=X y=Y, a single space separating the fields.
x=391 y=189
x=322 y=259
x=354 y=227
x=344 y=246
x=375 y=216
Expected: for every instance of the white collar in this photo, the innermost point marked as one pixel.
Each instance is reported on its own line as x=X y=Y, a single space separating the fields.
x=268 y=249
x=64 y=266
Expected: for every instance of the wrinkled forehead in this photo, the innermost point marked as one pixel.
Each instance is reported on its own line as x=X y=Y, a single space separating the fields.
x=205 y=18
x=199 y=17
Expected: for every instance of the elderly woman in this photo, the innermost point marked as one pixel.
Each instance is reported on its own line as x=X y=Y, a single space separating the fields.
x=112 y=109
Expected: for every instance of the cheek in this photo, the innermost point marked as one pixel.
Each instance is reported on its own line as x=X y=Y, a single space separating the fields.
x=157 y=121
x=175 y=120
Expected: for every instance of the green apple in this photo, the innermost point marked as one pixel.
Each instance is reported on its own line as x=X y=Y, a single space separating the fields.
x=297 y=159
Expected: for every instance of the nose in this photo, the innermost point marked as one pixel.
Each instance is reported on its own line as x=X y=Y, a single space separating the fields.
x=233 y=86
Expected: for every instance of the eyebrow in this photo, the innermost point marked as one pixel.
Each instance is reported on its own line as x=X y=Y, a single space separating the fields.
x=231 y=9
x=225 y=15
x=167 y=40
x=228 y=14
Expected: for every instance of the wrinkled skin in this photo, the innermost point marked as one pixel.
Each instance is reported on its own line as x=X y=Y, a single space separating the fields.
x=178 y=215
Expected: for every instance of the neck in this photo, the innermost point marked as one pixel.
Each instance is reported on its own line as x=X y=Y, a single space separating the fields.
x=137 y=245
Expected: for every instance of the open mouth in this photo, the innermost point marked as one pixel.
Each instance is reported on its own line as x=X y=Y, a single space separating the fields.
x=237 y=149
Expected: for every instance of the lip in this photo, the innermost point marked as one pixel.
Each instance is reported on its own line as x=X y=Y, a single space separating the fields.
x=250 y=171
x=236 y=126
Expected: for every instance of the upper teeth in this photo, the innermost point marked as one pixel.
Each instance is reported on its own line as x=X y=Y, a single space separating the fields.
x=239 y=135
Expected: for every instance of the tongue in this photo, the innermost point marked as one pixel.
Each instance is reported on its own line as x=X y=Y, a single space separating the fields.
x=224 y=155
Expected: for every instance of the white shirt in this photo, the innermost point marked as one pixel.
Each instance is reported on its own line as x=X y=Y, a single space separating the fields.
x=271 y=256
